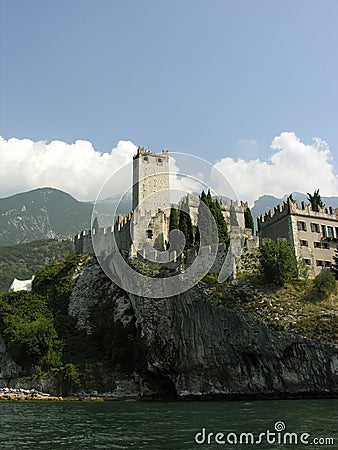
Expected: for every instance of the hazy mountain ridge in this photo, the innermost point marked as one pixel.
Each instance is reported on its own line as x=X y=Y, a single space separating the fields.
x=42 y=213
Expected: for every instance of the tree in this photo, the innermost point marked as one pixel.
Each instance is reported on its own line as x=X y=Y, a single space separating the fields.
x=173 y=220
x=248 y=219
x=205 y=221
x=185 y=225
x=209 y=199
x=324 y=284
x=278 y=261
x=315 y=200
x=222 y=227
x=197 y=239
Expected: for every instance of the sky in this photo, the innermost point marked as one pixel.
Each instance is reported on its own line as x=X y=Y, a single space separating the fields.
x=250 y=86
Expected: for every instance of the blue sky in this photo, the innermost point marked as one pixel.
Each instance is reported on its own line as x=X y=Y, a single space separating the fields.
x=216 y=79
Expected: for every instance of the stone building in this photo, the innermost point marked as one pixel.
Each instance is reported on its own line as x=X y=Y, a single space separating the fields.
x=313 y=235
x=151 y=182
x=151 y=198
x=149 y=221
x=146 y=229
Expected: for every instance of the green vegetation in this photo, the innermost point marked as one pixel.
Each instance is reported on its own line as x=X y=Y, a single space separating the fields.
x=294 y=307
x=278 y=261
x=185 y=225
x=35 y=214
x=204 y=221
x=315 y=200
x=53 y=282
x=324 y=284
x=23 y=260
x=173 y=220
x=27 y=326
x=38 y=332
x=249 y=222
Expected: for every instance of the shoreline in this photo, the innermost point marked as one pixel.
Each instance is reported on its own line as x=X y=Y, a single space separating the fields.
x=19 y=394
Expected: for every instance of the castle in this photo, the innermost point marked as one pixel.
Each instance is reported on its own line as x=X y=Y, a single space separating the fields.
x=313 y=234
x=151 y=206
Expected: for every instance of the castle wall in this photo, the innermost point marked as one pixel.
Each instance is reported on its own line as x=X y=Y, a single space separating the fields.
x=83 y=243
x=313 y=234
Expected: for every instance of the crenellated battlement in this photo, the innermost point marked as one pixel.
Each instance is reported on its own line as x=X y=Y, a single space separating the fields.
x=234 y=204
x=291 y=207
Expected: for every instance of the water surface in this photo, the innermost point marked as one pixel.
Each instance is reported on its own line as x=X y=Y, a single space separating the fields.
x=137 y=425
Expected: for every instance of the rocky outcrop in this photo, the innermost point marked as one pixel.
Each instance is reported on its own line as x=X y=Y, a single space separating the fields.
x=195 y=345
x=8 y=367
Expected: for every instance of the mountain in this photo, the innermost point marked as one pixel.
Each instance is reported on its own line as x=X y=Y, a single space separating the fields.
x=42 y=214
x=266 y=202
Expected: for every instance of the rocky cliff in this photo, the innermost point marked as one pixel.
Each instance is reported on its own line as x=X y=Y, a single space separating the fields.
x=197 y=344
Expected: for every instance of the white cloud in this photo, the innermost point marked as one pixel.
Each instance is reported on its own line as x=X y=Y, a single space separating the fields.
x=81 y=170
x=294 y=166
x=76 y=168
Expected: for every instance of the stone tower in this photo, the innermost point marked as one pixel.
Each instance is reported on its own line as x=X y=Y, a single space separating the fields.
x=151 y=178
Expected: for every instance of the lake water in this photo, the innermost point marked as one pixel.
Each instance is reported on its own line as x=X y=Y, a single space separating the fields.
x=136 y=425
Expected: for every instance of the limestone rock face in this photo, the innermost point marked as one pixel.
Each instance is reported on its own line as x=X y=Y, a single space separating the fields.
x=8 y=368
x=194 y=345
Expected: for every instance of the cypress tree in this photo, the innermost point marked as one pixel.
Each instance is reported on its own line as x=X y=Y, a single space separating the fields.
x=209 y=199
x=173 y=220
x=204 y=220
x=185 y=225
x=222 y=227
x=249 y=222
x=197 y=238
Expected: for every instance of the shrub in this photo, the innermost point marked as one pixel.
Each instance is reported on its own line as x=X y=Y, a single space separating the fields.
x=28 y=330
x=278 y=261
x=324 y=284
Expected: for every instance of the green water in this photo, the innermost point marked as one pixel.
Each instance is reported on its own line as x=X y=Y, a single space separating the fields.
x=135 y=425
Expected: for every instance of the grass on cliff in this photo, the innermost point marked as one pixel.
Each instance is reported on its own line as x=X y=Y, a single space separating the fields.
x=296 y=307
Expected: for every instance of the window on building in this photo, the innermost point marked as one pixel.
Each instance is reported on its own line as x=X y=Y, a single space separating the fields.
x=307 y=261
x=328 y=263
x=330 y=232
x=320 y=263
x=160 y=160
x=145 y=158
x=337 y=232
x=324 y=230
x=324 y=245
x=315 y=227
x=301 y=225
x=149 y=234
x=304 y=243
